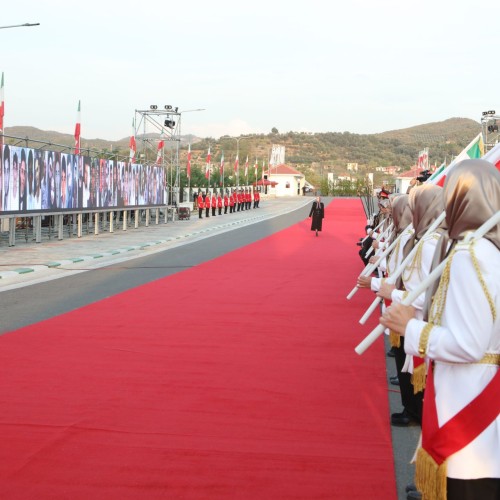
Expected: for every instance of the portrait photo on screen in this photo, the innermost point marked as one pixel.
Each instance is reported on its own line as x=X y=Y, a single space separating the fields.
x=22 y=180
x=37 y=170
x=14 y=180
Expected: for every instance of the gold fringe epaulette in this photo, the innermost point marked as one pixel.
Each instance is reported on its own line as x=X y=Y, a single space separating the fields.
x=418 y=378
x=394 y=339
x=430 y=478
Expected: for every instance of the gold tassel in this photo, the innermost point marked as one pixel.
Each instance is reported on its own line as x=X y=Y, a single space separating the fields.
x=430 y=478
x=394 y=339
x=418 y=378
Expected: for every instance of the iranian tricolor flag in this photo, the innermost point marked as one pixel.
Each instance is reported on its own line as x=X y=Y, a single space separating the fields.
x=493 y=156
x=475 y=149
x=207 y=166
x=236 y=164
x=2 y=106
x=256 y=166
x=188 y=168
x=159 y=153
x=246 y=167
x=263 y=166
x=132 y=144
x=78 y=129
x=221 y=169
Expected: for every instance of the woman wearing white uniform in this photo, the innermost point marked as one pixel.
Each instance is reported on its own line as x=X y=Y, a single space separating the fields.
x=426 y=204
x=460 y=454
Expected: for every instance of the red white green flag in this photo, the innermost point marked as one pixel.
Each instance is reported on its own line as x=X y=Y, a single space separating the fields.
x=159 y=153
x=493 y=156
x=246 y=167
x=475 y=149
x=221 y=169
x=2 y=105
x=188 y=168
x=236 y=164
x=78 y=129
x=132 y=144
x=256 y=168
x=263 y=166
x=207 y=165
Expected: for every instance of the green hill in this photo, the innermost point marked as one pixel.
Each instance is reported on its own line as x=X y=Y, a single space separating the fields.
x=313 y=154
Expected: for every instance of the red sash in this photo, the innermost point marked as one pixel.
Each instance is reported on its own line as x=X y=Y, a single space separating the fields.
x=464 y=427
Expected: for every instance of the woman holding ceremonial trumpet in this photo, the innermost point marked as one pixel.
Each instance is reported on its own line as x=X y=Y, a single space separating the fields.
x=460 y=336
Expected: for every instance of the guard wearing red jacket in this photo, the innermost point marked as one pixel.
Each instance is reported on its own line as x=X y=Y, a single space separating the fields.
x=231 y=202
x=214 y=203
x=200 y=202
x=219 y=203
x=256 y=199
x=207 y=205
x=226 y=202
x=248 y=200
x=240 y=201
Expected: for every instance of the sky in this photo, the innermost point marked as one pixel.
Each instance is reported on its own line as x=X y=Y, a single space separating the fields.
x=361 y=66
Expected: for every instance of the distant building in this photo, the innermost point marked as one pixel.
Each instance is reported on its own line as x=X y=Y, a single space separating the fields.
x=388 y=170
x=403 y=180
x=289 y=180
x=333 y=179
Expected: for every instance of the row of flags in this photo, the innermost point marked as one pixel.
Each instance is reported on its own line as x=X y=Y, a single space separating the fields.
x=221 y=167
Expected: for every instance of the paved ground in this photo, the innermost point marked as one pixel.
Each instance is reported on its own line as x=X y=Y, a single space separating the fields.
x=28 y=262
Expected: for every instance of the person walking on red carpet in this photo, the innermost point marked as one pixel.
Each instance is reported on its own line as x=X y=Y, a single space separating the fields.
x=317 y=214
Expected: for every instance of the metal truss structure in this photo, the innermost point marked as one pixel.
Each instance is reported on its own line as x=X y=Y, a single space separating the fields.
x=490 y=123
x=158 y=137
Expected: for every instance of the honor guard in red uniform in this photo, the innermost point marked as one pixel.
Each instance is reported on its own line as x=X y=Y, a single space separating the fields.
x=240 y=200
x=231 y=202
x=207 y=205
x=226 y=202
x=214 y=203
x=200 y=205
x=219 y=203
x=248 y=198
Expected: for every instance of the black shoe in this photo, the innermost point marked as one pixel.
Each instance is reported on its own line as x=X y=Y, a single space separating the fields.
x=394 y=380
x=410 y=487
x=414 y=495
x=391 y=353
x=402 y=419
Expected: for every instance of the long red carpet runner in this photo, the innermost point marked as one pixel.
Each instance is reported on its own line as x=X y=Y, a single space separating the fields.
x=236 y=379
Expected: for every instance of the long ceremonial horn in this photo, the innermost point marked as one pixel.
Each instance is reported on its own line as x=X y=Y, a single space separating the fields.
x=433 y=276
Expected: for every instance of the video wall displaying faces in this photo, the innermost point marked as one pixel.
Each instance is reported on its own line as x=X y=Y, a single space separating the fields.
x=35 y=180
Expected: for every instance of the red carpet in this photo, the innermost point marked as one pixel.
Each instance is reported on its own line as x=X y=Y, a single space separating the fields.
x=251 y=392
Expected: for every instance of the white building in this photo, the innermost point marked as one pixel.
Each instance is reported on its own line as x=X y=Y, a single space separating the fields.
x=403 y=180
x=289 y=180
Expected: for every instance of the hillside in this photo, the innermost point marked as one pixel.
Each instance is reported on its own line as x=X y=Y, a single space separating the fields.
x=313 y=154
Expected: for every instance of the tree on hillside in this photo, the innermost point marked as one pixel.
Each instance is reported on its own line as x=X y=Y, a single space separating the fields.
x=274 y=130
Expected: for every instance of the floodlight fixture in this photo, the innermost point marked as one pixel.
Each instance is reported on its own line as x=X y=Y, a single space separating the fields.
x=153 y=106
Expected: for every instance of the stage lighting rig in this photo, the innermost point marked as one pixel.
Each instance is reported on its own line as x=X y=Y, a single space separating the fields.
x=170 y=124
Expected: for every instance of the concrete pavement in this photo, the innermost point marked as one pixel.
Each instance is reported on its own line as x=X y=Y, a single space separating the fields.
x=29 y=262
